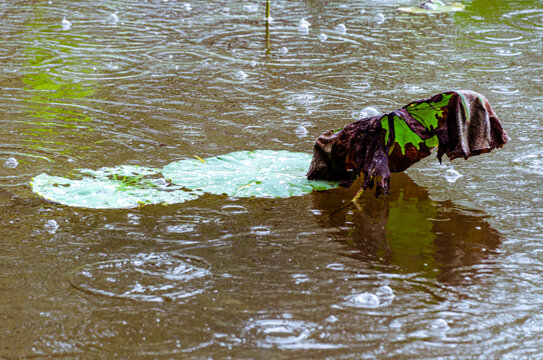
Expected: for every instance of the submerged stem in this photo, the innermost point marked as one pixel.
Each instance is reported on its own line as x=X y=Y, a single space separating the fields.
x=357 y=195
x=351 y=202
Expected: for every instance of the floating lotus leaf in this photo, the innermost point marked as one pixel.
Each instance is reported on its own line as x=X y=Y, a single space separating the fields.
x=434 y=7
x=119 y=187
x=261 y=173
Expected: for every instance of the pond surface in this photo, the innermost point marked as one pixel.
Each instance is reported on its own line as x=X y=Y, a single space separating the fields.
x=450 y=264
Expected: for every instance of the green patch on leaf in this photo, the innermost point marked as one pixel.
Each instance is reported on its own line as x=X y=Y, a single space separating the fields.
x=428 y=113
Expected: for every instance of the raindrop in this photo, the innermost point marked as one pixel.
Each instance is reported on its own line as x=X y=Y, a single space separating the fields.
x=331 y=319
x=301 y=131
x=283 y=50
x=368 y=111
x=11 y=163
x=187 y=6
x=379 y=18
x=439 y=324
x=303 y=26
x=66 y=25
x=452 y=175
x=323 y=37
x=340 y=28
x=252 y=63
x=240 y=75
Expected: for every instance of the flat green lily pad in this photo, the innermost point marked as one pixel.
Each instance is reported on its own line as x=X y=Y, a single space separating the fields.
x=261 y=173
x=435 y=7
x=110 y=188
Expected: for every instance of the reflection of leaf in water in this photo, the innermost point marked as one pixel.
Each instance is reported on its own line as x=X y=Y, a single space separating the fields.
x=407 y=232
x=261 y=173
x=52 y=90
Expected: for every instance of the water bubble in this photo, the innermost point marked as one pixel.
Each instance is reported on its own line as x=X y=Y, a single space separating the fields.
x=439 y=324
x=379 y=18
x=252 y=63
x=301 y=131
x=452 y=175
x=187 y=6
x=283 y=50
x=385 y=292
x=260 y=230
x=336 y=266
x=368 y=111
x=240 y=75
x=303 y=26
x=363 y=300
x=340 y=28
x=113 y=18
x=11 y=163
x=66 y=25
x=323 y=37
x=331 y=319
x=51 y=226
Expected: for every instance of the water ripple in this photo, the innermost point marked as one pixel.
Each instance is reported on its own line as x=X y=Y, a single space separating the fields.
x=151 y=277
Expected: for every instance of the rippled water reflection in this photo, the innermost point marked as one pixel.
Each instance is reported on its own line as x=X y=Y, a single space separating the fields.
x=449 y=264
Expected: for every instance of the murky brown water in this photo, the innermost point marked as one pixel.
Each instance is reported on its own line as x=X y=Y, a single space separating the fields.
x=438 y=269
